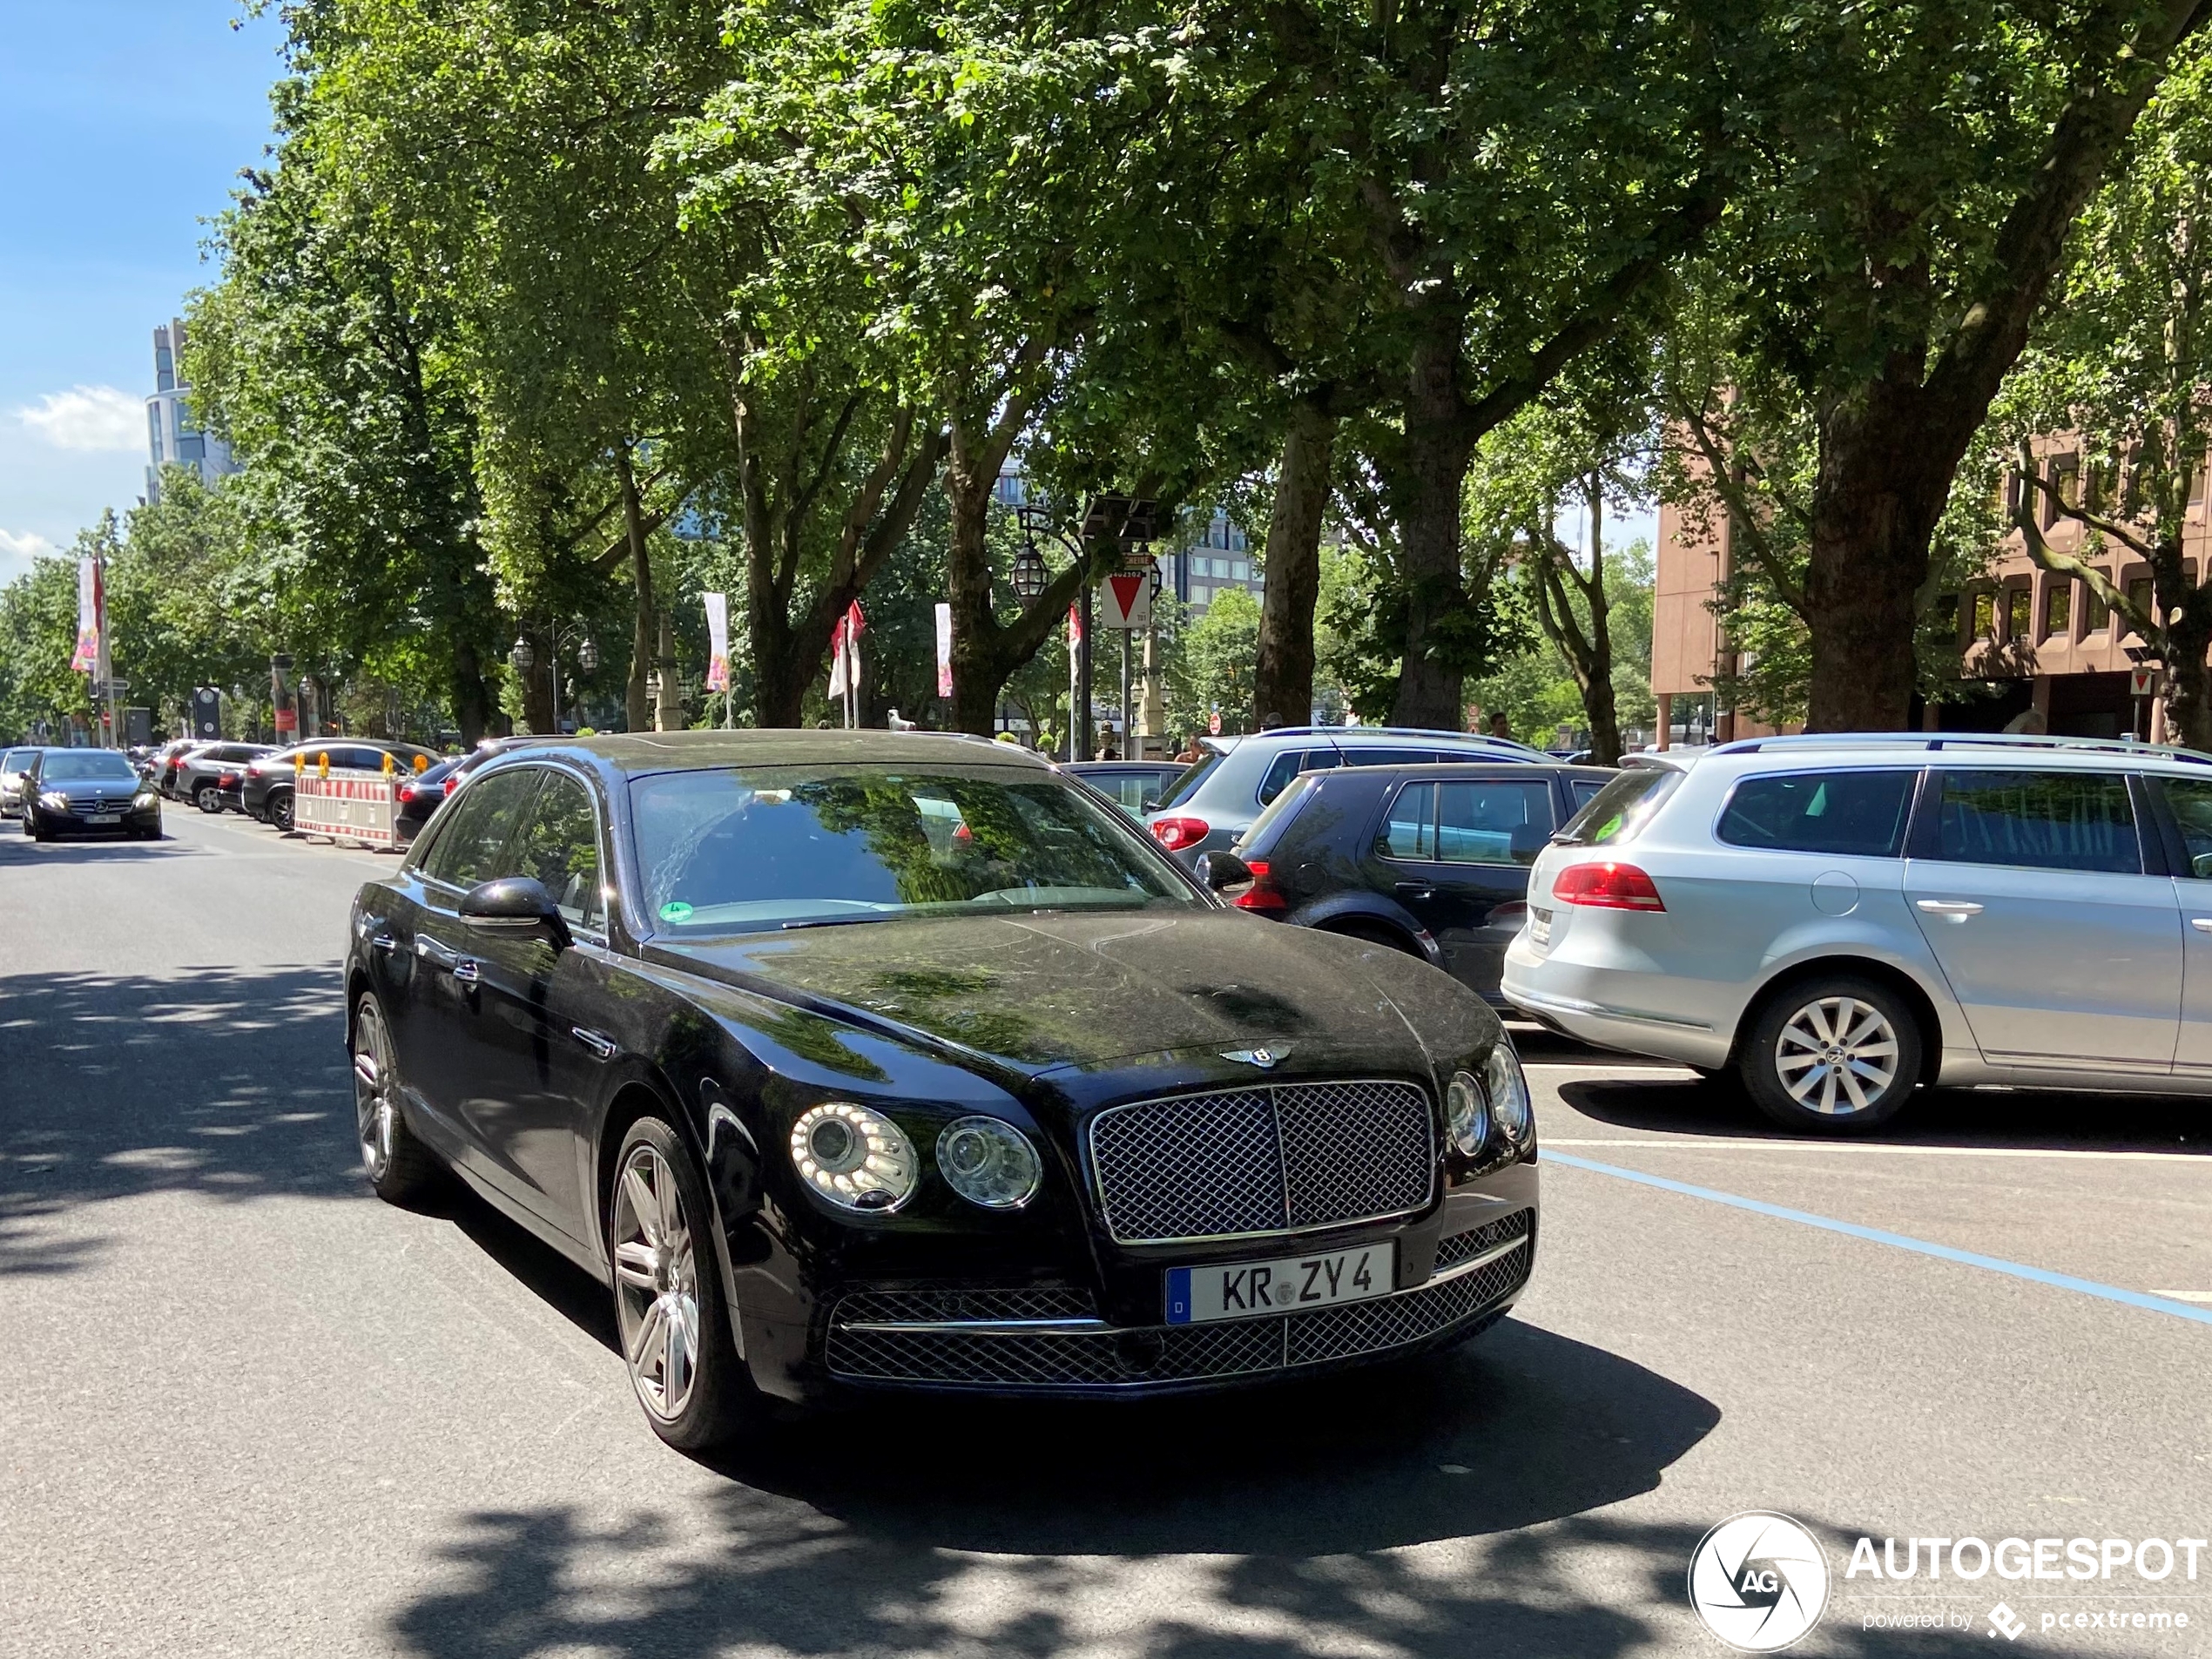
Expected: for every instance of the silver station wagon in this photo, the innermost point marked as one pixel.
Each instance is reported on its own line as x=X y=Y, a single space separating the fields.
x=1843 y=918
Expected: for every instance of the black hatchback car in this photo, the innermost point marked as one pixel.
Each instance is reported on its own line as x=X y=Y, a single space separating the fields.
x=1432 y=860
x=866 y=1061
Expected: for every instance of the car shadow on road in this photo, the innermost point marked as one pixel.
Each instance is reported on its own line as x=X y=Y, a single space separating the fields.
x=1675 y=1105
x=226 y=1082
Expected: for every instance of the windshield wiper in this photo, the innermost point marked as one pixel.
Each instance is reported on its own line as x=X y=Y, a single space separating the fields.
x=834 y=921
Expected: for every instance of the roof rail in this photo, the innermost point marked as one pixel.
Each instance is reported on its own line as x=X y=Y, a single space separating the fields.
x=1938 y=740
x=1427 y=734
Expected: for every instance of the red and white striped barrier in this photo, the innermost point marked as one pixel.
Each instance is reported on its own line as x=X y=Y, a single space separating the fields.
x=347 y=804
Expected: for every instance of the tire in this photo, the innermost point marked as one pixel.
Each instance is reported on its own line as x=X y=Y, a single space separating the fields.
x=1788 y=1061
x=209 y=800
x=279 y=811
x=663 y=1271
x=398 y=1166
x=1374 y=933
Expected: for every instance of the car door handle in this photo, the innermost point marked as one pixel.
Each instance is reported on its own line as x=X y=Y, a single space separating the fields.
x=1950 y=909
x=601 y=1045
x=467 y=970
x=1416 y=890
x=2202 y=924
x=384 y=942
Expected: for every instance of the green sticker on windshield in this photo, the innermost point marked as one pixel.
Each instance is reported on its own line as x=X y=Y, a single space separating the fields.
x=676 y=910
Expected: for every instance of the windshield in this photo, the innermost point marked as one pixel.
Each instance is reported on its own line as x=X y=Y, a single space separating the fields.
x=1187 y=786
x=87 y=765
x=742 y=851
x=1619 y=810
x=16 y=759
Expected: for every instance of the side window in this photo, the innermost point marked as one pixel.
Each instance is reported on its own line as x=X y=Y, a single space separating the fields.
x=1852 y=814
x=2191 y=799
x=1583 y=791
x=560 y=847
x=1390 y=756
x=1493 y=821
x=1409 y=828
x=2044 y=820
x=472 y=846
x=1288 y=764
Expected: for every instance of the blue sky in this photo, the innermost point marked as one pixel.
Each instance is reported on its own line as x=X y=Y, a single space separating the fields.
x=124 y=124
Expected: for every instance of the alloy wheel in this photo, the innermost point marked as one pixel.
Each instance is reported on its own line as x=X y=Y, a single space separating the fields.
x=374 y=1087
x=656 y=1292
x=1837 y=1055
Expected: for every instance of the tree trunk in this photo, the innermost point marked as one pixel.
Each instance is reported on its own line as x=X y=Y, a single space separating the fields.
x=471 y=700
x=537 y=689
x=668 y=707
x=1885 y=471
x=637 y=707
x=1430 y=473
x=1597 y=680
x=1292 y=567
x=977 y=675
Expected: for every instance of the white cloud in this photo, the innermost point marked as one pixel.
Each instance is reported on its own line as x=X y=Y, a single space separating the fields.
x=89 y=417
x=29 y=545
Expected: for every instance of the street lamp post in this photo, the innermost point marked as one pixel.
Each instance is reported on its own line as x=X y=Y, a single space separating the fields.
x=1133 y=524
x=523 y=656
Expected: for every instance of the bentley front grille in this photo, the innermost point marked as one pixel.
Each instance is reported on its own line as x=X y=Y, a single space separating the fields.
x=1274 y=1158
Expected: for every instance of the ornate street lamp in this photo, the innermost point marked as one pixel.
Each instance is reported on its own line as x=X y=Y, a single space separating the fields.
x=1030 y=576
x=523 y=654
x=587 y=655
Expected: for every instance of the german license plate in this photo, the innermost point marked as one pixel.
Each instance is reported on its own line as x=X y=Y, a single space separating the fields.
x=1244 y=1289
x=1540 y=926
x=103 y=818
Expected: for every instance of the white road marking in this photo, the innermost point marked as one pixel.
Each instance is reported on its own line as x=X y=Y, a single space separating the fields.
x=2185 y=1296
x=1717 y=1141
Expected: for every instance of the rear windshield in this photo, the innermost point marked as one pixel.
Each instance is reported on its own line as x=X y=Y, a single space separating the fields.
x=1276 y=815
x=1187 y=786
x=1621 y=809
x=88 y=765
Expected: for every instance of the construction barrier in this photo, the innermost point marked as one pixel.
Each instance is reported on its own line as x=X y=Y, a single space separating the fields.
x=347 y=804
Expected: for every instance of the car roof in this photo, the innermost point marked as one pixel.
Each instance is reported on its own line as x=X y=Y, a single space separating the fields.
x=647 y=751
x=1919 y=748
x=1396 y=736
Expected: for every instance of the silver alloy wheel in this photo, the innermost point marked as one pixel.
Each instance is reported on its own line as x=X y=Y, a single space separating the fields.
x=374 y=1085
x=1837 y=1055
x=657 y=1290
x=211 y=799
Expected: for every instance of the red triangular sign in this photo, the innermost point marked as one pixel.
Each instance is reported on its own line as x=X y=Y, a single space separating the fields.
x=1126 y=588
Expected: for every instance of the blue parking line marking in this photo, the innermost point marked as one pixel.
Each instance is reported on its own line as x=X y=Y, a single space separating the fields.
x=1875 y=1235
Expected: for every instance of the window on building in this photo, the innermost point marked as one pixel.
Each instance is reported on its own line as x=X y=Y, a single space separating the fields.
x=2012 y=487
x=2065 y=478
x=2017 y=601
x=1946 y=612
x=192 y=446
x=153 y=431
x=164 y=365
x=2095 y=614
x=2096 y=491
x=2139 y=595
x=1985 y=615
x=2058 y=608
x=2197 y=487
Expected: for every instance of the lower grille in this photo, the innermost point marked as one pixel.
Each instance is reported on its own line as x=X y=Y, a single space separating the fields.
x=1026 y=1302
x=1182 y=1352
x=1465 y=1247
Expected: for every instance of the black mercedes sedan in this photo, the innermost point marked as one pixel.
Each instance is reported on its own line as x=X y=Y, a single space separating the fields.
x=855 y=1062
x=88 y=792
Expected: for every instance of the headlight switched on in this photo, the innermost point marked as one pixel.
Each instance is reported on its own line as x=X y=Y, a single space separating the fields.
x=856 y=1158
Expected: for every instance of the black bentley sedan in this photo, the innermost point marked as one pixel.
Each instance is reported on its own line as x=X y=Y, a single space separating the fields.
x=88 y=792
x=861 y=1062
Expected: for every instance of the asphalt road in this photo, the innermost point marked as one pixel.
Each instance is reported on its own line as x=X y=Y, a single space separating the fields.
x=247 y=1409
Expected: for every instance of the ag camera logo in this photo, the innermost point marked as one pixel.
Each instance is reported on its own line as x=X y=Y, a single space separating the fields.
x=1758 y=1580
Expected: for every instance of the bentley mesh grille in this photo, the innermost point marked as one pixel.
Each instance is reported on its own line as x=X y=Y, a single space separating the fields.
x=1270 y=1159
x=1176 y=1354
x=1463 y=1247
x=1026 y=1302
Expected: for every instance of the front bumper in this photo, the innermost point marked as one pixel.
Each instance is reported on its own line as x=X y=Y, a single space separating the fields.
x=129 y=823
x=890 y=1339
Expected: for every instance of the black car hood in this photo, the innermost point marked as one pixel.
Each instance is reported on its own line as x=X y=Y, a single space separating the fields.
x=76 y=789
x=1040 y=991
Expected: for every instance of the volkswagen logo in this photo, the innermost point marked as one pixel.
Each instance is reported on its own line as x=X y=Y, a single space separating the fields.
x=1758 y=1580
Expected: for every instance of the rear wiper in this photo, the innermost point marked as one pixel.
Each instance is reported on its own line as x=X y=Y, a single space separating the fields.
x=835 y=922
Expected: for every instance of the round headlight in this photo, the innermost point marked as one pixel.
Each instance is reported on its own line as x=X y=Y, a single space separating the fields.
x=856 y=1158
x=1508 y=1090
x=989 y=1163
x=1464 y=1115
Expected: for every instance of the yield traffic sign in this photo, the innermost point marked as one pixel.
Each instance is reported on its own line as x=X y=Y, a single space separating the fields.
x=1125 y=600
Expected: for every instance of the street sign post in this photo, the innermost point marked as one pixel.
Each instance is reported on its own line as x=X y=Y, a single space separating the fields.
x=1125 y=600
x=2142 y=682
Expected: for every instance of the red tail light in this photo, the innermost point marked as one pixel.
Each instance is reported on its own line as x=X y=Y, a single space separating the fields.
x=447 y=787
x=1607 y=886
x=1263 y=895
x=228 y=780
x=1176 y=834
x=406 y=791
